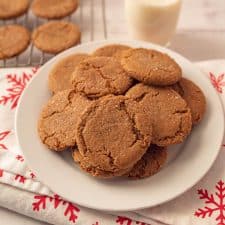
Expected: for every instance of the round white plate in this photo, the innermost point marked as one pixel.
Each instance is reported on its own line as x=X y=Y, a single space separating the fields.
x=188 y=162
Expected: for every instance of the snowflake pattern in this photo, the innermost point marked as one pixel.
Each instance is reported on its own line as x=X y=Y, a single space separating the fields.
x=213 y=205
x=1 y=173
x=20 y=178
x=40 y=203
x=20 y=158
x=70 y=210
x=17 y=84
x=127 y=221
x=3 y=135
x=214 y=202
x=32 y=175
x=217 y=82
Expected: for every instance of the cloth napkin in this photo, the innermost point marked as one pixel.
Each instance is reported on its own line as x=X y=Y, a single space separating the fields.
x=21 y=191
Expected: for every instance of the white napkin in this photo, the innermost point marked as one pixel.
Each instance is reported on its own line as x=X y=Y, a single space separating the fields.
x=23 y=193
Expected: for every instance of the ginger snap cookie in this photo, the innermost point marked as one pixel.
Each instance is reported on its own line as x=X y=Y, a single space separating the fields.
x=59 y=118
x=54 y=9
x=114 y=50
x=194 y=97
x=10 y=8
x=56 y=36
x=99 y=76
x=14 y=39
x=150 y=163
x=170 y=114
x=60 y=76
x=151 y=67
x=86 y=165
x=113 y=134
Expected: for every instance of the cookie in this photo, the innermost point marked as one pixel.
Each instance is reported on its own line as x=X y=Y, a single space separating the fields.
x=151 y=67
x=113 y=134
x=99 y=76
x=54 y=9
x=150 y=163
x=114 y=50
x=59 y=118
x=170 y=115
x=86 y=166
x=14 y=39
x=56 y=36
x=10 y=9
x=60 y=76
x=194 y=97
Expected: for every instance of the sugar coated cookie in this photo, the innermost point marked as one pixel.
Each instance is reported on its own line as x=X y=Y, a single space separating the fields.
x=171 y=117
x=14 y=39
x=150 y=163
x=59 y=118
x=113 y=134
x=54 y=9
x=56 y=36
x=194 y=97
x=99 y=76
x=60 y=76
x=151 y=67
x=10 y=9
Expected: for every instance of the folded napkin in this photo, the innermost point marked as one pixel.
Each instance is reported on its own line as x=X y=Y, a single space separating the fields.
x=21 y=191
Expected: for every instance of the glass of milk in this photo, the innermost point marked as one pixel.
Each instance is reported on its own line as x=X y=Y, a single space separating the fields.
x=152 y=20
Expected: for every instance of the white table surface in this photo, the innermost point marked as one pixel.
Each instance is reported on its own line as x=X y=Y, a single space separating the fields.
x=201 y=28
x=200 y=36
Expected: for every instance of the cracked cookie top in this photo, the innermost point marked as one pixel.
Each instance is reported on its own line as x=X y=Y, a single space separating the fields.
x=99 y=76
x=114 y=50
x=151 y=67
x=56 y=36
x=113 y=134
x=194 y=97
x=85 y=164
x=150 y=163
x=59 y=78
x=59 y=118
x=170 y=115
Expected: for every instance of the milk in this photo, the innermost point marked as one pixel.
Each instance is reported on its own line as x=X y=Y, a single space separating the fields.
x=152 y=20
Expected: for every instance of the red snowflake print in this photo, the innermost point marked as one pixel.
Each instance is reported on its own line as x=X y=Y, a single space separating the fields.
x=40 y=203
x=127 y=221
x=70 y=210
x=17 y=84
x=1 y=173
x=32 y=175
x=35 y=69
x=214 y=205
x=20 y=158
x=56 y=200
x=218 y=82
x=20 y=178
x=3 y=135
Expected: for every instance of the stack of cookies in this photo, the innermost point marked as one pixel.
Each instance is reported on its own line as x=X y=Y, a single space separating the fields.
x=118 y=109
x=51 y=37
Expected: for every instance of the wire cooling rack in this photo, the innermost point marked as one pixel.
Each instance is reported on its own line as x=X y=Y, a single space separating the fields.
x=90 y=16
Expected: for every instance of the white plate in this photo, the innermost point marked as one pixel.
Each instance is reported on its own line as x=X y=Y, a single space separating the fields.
x=187 y=165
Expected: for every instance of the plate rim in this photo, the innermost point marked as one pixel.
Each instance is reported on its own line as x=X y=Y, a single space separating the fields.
x=104 y=42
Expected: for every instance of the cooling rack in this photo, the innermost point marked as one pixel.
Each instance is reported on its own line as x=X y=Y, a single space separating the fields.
x=90 y=16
